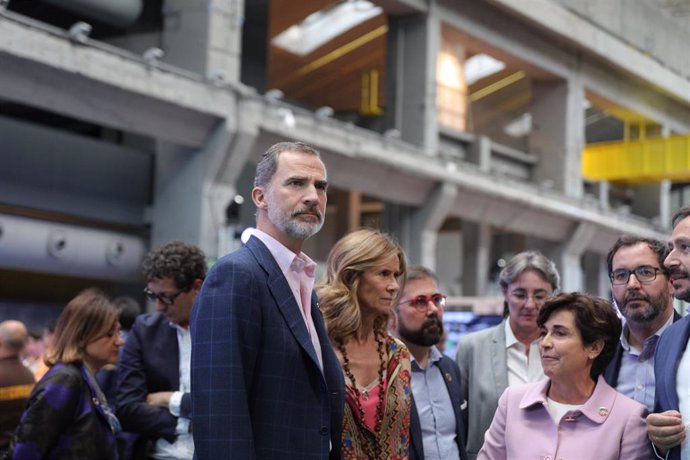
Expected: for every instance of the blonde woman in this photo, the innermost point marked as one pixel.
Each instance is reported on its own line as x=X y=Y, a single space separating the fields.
x=365 y=271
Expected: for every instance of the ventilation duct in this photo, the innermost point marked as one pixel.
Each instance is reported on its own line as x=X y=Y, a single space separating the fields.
x=47 y=247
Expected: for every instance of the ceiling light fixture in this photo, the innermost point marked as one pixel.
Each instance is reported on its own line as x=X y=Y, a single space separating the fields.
x=320 y=27
x=481 y=66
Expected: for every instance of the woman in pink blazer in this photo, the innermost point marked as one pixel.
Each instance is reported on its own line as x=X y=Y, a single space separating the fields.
x=573 y=414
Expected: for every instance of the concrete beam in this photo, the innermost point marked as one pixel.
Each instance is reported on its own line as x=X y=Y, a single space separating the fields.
x=401 y=173
x=525 y=47
x=584 y=34
x=42 y=68
x=399 y=7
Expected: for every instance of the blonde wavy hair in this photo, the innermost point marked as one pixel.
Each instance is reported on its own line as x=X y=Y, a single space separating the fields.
x=349 y=258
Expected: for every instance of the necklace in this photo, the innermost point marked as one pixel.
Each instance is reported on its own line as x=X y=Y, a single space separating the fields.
x=380 y=344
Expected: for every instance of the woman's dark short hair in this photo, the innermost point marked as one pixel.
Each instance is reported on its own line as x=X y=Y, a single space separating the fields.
x=595 y=318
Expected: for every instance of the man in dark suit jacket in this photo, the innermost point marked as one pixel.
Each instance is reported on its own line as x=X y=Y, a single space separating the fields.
x=666 y=427
x=153 y=380
x=266 y=381
x=437 y=427
x=642 y=290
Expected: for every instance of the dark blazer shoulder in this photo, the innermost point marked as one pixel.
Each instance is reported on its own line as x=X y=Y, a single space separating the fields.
x=613 y=369
x=150 y=320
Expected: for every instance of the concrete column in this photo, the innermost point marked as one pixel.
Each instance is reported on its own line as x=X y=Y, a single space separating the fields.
x=665 y=191
x=603 y=188
x=413 y=44
x=653 y=201
x=479 y=153
x=426 y=223
x=476 y=238
x=558 y=133
x=204 y=36
x=569 y=256
x=193 y=187
x=596 y=277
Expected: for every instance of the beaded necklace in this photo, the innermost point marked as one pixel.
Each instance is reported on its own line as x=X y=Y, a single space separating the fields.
x=380 y=344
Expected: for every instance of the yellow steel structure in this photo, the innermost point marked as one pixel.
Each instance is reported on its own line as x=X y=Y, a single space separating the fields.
x=638 y=161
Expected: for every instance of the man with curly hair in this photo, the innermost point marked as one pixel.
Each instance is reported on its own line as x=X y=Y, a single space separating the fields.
x=154 y=384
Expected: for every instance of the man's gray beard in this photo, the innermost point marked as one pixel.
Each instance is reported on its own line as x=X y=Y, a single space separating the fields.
x=301 y=231
x=291 y=227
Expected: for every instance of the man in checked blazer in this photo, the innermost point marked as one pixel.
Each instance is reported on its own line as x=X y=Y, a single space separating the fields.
x=266 y=381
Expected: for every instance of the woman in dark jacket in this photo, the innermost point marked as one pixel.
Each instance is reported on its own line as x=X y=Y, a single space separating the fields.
x=67 y=416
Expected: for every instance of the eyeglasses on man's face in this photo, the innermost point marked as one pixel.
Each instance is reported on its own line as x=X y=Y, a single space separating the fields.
x=421 y=302
x=644 y=274
x=167 y=299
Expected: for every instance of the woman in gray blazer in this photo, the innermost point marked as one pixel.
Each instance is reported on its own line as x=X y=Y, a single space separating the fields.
x=492 y=359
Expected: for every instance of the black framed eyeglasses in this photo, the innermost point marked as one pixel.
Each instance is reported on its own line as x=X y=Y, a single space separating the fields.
x=644 y=274
x=421 y=302
x=167 y=299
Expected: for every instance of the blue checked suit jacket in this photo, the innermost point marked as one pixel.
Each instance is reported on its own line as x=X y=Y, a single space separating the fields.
x=257 y=390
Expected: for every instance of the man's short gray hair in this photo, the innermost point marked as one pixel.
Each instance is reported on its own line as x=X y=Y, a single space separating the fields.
x=268 y=164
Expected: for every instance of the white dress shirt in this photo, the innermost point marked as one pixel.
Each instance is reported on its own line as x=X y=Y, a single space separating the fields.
x=183 y=447
x=522 y=368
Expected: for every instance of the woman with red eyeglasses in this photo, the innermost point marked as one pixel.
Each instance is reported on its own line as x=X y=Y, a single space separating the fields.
x=357 y=295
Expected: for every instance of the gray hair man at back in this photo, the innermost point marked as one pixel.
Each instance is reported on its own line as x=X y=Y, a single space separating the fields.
x=437 y=429
x=642 y=290
x=16 y=380
x=267 y=383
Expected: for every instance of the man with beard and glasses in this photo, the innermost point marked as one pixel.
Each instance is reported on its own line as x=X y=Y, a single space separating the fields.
x=642 y=291
x=436 y=418
x=267 y=383
x=668 y=425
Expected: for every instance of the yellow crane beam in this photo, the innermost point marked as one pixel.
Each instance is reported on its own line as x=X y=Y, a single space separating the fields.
x=638 y=161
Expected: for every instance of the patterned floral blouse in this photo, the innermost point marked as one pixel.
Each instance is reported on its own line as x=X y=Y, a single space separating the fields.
x=393 y=440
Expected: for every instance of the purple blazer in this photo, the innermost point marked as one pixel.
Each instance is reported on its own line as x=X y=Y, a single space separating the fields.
x=608 y=426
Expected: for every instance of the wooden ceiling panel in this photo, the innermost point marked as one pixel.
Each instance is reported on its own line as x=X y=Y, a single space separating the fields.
x=285 y=13
x=332 y=74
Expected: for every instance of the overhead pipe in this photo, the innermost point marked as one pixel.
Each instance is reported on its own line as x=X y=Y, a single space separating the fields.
x=118 y=13
x=63 y=249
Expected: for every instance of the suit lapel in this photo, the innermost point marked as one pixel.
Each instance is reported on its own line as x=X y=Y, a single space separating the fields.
x=283 y=296
x=455 y=393
x=453 y=387
x=678 y=351
x=498 y=359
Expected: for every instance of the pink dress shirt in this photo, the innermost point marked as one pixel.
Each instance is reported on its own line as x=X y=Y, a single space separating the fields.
x=299 y=271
